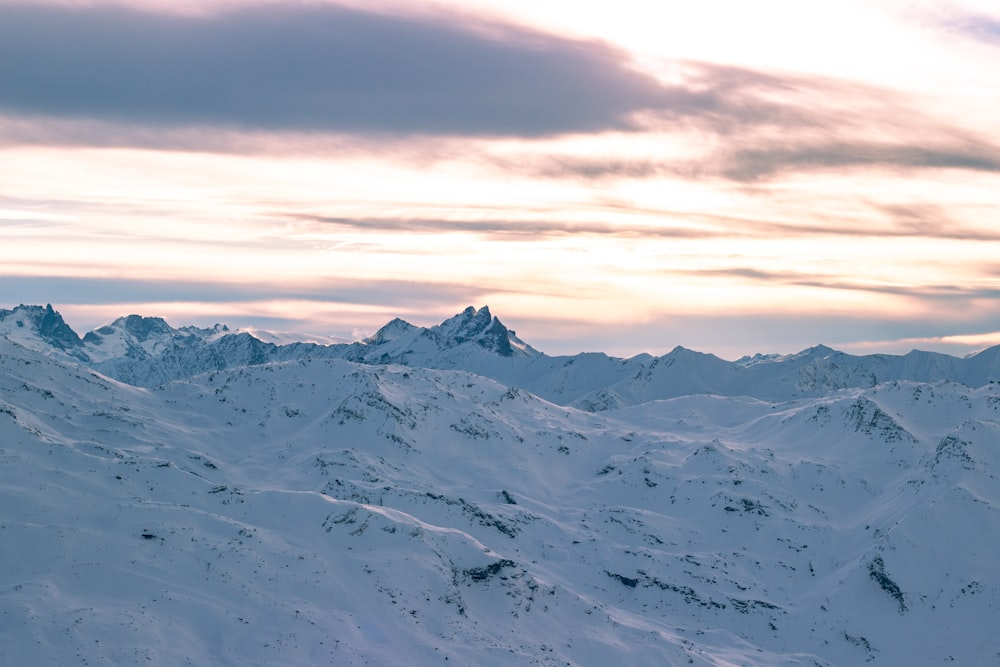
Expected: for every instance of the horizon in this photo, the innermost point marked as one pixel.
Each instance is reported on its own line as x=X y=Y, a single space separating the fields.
x=731 y=178
x=82 y=327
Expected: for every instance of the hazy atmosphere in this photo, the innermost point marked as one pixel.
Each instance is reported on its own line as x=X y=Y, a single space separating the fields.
x=626 y=177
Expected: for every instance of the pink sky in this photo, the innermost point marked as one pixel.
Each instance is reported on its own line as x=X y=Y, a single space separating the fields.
x=732 y=177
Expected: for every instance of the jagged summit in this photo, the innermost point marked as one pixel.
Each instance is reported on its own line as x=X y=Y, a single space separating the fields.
x=465 y=325
x=54 y=329
x=146 y=351
x=42 y=321
x=401 y=340
x=212 y=331
x=136 y=337
x=478 y=326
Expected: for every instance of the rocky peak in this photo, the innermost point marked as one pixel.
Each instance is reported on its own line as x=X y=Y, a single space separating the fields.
x=479 y=326
x=465 y=326
x=54 y=329
x=143 y=328
x=47 y=323
x=496 y=339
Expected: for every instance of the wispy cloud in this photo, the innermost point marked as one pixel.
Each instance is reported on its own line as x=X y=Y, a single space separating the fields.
x=765 y=161
x=520 y=230
x=931 y=292
x=597 y=168
x=756 y=159
x=980 y=27
x=896 y=220
x=959 y=295
x=755 y=126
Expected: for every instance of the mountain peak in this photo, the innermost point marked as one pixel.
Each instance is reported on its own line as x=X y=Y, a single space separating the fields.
x=143 y=328
x=681 y=352
x=47 y=323
x=393 y=330
x=54 y=329
x=819 y=351
x=479 y=326
x=464 y=326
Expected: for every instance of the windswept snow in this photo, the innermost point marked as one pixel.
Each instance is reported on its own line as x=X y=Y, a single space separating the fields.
x=456 y=504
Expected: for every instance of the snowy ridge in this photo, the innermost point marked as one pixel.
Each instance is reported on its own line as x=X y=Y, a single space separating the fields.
x=319 y=510
x=146 y=351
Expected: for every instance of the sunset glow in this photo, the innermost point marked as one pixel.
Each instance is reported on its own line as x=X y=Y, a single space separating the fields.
x=730 y=177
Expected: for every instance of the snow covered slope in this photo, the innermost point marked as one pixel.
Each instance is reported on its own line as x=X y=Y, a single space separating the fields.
x=322 y=511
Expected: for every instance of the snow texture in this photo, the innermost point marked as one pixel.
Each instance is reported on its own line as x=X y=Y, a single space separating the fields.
x=449 y=495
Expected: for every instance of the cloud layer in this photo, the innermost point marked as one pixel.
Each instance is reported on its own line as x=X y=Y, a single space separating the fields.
x=304 y=162
x=113 y=75
x=312 y=68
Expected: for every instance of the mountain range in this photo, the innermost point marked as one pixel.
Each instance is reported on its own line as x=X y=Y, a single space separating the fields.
x=450 y=495
x=146 y=352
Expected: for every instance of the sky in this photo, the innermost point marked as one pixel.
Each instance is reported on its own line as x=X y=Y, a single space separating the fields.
x=622 y=177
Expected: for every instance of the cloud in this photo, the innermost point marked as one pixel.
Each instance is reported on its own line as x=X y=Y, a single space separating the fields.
x=113 y=75
x=980 y=27
x=763 y=161
x=747 y=126
x=312 y=68
x=798 y=139
x=756 y=156
x=533 y=230
x=306 y=77
x=928 y=292
x=742 y=272
x=110 y=291
x=958 y=296
x=596 y=169
x=928 y=221
x=902 y=220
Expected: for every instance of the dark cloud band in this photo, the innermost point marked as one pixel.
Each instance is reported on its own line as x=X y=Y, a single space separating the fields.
x=82 y=290
x=311 y=69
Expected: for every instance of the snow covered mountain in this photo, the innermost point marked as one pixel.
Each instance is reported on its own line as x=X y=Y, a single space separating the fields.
x=378 y=503
x=146 y=351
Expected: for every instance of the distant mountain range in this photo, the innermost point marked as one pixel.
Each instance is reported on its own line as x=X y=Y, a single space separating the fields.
x=146 y=351
x=451 y=496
